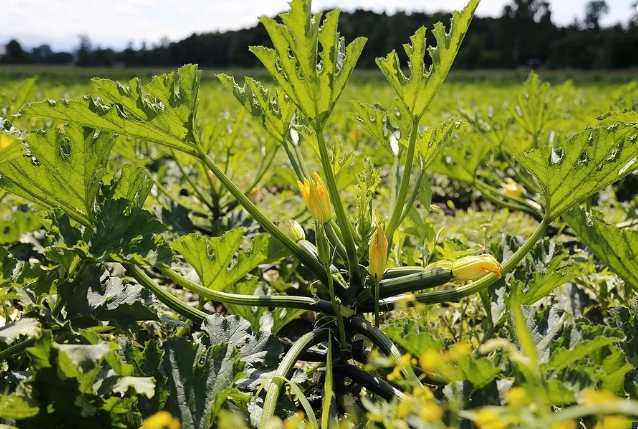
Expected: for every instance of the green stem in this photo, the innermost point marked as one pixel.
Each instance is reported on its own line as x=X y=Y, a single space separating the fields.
x=335 y=240
x=312 y=264
x=365 y=328
x=369 y=381
x=285 y=368
x=472 y=288
x=342 y=217
x=198 y=191
x=395 y=219
x=413 y=282
x=171 y=301
x=300 y=302
x=17 y=348
x=413 y=195
x=376 y=302
x=518 y=203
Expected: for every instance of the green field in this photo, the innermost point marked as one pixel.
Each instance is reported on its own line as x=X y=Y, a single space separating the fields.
x=465 y=257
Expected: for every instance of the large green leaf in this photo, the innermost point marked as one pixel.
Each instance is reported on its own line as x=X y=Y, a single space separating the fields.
x=27 y=327
x=214 y=259
x=163 y=111
x=461 y=159
x=271 y=108
x=60 y=168
x=582 y=165
x=430 y=142
x=419 y=89
x=311 y=76
x=198 y=380
x=616 y=247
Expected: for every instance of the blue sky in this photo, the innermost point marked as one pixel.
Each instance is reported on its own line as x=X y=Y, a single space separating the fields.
x=114 y=23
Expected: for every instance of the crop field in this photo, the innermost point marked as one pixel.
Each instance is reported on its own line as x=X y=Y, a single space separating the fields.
x=318 y=247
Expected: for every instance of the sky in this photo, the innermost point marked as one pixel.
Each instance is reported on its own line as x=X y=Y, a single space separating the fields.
x=115 y=23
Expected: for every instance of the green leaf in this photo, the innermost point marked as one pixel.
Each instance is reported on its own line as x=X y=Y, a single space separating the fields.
x=17 y=407
x=60 y=168
x=27 y=327
x=414 y=339
x=271 y=108
x=213 y=259
x=125 y=233
x=311 y=65
x=625 y=319
x=582 y=165
x=535 y=106
x=130 y=182
x=19 y=223
x=163 y=112
x=10 y=147
x=430 y=141
x=16 y=96
x=579 y=342
x=417 y=91
x=478 y=371
x=616 y=247
x=198 y=380
x=260 y=318
x=460 y=160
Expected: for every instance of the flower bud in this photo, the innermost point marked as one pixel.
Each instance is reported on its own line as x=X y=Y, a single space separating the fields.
x=291 y=229
x=511 y=188
x=475 y=267
x=316 y=196
x=378 y=257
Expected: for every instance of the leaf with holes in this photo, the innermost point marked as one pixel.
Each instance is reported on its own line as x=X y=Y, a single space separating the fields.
x=311 y=64
x=418 y=90
x=60 y=168
x=163 y=112
x=582 y=165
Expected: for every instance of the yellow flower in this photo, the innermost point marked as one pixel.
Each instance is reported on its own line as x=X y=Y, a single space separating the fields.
x=565 y=424
x=161 y=420
x=396 y=372
x=430 y=411
x=475 y=267
x=593 y=396
x=291 y=229
x=378 y=253
x=512 y=188
x=614 y=422
x=316 y=196
x=5 y=141
x=457 y=351
x=517 y=397
x=430 y=360
x=489 y=419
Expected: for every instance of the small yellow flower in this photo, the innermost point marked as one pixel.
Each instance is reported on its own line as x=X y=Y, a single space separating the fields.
x=565 y=424
x=295 y=421
x=378 y=253
x=511 y=188
x=316 y=196
x=404 y=362
x=430 y=411
x=614 y=422
x=430 y=360
x=291 y=229
x=489 y=419
x=457 y=351
x=475 y=267
x=161 y=420
x=517 y=397
x=593 y=396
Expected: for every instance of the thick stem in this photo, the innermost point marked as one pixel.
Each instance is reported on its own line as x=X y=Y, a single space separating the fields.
x=493 y=194
x=395 y=219
x=378 y=338
x=376 y=302
x=369 y=381
x=300 y=302
x=342 y=217
x=413 y=195
x=171 y=301
x=285 y=368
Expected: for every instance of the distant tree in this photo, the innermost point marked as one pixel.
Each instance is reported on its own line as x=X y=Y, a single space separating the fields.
x=41 y=53
x=528 y=29
x=83 y=53
x=594 y=10
x=14 y=54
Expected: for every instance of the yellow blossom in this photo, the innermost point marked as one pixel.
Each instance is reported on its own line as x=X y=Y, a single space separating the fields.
x=316 y=196
x=565 y=424
x=430 y=411
x=430 y=360
x=489 y=419
x=161 y=420
x=378 y=257
x=614 y=422
x=291 y=229
x=511 y=188
x=475 y=267
x=295 y=421
x=422 y=393
x=404 y=362
x=457 y=351
x=593 y=396
x=517 y=397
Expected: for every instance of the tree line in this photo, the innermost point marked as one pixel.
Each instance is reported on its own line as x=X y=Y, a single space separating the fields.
x=523 y=35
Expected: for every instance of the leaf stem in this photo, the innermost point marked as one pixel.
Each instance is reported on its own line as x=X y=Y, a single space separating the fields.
x=342 y=217
x=395 y=219
x=300 y=302
x=285 y=368
x=369 y=381
x=171 y=301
